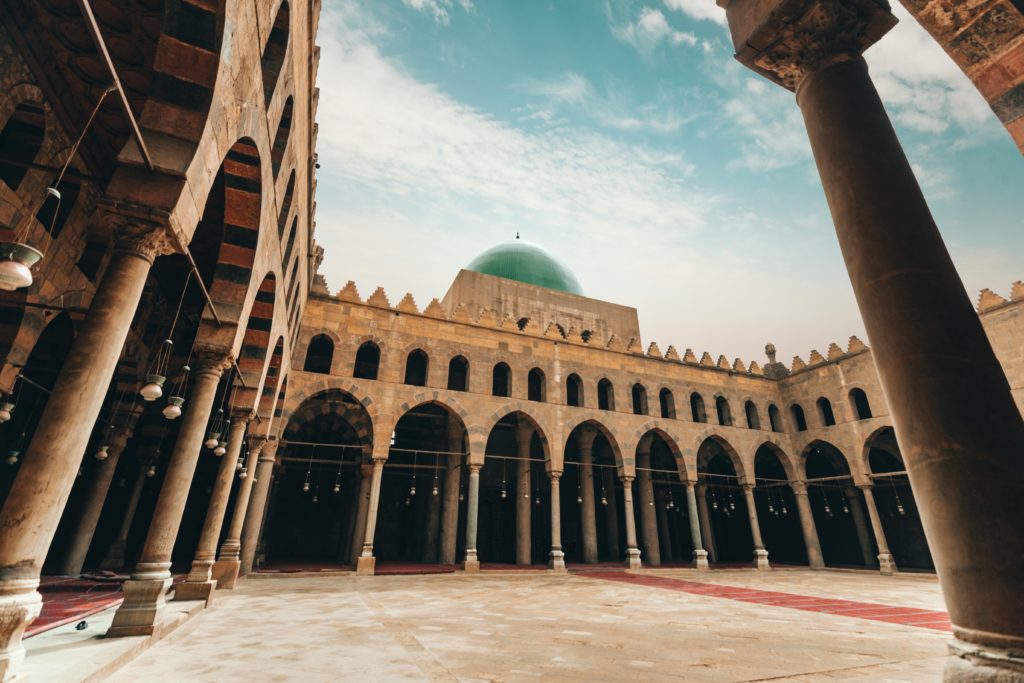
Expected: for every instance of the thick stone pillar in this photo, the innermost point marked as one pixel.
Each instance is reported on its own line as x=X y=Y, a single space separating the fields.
x=632 y=552
x=524 y=499
x=886 y=564
x=588 y=514
x=452 y=485
x=861 y=525
x=611 y=510
x=144 y=593
x=36 y=500
x=115 y=558
x=472 y=562
x=362 y=508
x=760 y=554
x=367 y=562
x=700 y=556
x=955 y=418
x=258 y=500
x=648 y=515
x=556 y=559
x=810 y=532
x=90 y=515
x=664 y=527
x=225 y=570
x=433 y=528
x=705 y=522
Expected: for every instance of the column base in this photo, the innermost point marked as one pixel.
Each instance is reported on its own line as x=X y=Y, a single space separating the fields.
x=225 y=573
x=970 y=663
x=20 y=604
x=886 y=565
x=365 y=565
x=143 y=601
x=700 y=559
x=761 y=559
x=471 y=563
x=115 y=556
x=632 y=558
x=195 y=590
x=556 y=561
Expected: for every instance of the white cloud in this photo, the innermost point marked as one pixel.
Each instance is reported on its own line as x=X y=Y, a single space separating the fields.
x=699 y=9
x=569 y=88
x=651 y=29
x=439 y=8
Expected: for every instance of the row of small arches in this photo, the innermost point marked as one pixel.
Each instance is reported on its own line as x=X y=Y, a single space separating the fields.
x=320 y=356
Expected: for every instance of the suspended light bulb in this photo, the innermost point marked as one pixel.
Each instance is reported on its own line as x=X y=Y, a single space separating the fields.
x=151 y=472
x=408 y=501
x=846 y=508
x=604 y=500
x=221 y=448
x=579 y=499
x=238 y=465
x=243 y=473
x=16 y=261
x=154 y=388
x=433 y=491
x=536 y=501
x=177 y=397
x=412 y=490
x=216 y=429
x=504 y=494
x=899 y=509
x=828 y=510
x=172 y=410
x=102 y=453
x=337 y=488
x=212 y=441
x=784 y=510
x=305 y=487
x=462 y=496
x=5 y=412
x=316 y=499
x=12 y=458
x=714 y=503
x=667 y=507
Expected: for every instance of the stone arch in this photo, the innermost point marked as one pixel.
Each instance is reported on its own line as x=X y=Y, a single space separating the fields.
x=609 y=435
x=458 y=373
x=350 y=364
x=860 y=404
x=655 y=427
x=723 y=409
x=275 y=50
x=269 y=397
x=285 y=209
x=282 y=137
x=638 y=395
x=319 y=384
x=879 y=439
x=796 y=412
x=252 y=355
x=334 y=401
x=793 y=473
x=738 y=463
x=536 y=385
x=367 y=360
x=519 y=408
x=605 y=394
x=319 y=356
x=574 y=390
x=667 y=403
x=831 y=454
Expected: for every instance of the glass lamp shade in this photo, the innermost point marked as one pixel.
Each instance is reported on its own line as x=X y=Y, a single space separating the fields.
x=305 y=487
x=172 y=410
x=337 y=488
x=242 y=473
x=220 y=449
x=16 y=261
x=12 y=458
x=5 y=412
x=151 y=472
x=154 y=388
x=213 y=440
x=102 y=454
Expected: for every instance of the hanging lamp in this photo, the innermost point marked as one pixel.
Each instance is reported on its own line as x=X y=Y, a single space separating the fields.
x=151 y=472
x=157 y=375
x=172 y=411
x=434 y=489
x=337 y=477
x=412 y=486
x=216 y=429
x=504 y=491
x=309 y=470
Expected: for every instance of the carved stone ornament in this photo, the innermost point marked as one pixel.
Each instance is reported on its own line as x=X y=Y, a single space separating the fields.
x=207 y=359
x=148 y=240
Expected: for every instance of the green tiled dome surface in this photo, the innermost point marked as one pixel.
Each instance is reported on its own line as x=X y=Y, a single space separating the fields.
x=526 y=262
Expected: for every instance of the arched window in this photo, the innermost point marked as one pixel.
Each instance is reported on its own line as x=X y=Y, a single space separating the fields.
x=501 y=380
x=774 y=418
x=798 y=417
x=319 y=355
x=536 y=388
x=639 y=400
x=273 y=53
x=697 y=408
x=574 y=391
x=605 y=395
x=860 y=404
x=52 y=222
x=21 y=139
x=458 y=374
x=284 y=128
x=753 y=419
x=668 y=404
x=416 y=368
x=367 y=361
x=724 y=413
x=828 y=418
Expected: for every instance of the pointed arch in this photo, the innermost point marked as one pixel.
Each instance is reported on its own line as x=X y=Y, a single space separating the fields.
x=275 y=50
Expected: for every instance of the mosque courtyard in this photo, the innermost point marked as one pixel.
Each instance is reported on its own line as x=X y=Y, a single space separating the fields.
x=604 y=624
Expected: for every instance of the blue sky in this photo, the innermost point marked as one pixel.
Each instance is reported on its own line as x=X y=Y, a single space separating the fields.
x=624 y=137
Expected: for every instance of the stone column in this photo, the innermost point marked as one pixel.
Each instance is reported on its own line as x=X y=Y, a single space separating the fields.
x=258 y=499
x=955 y=418
x=803 y=507
x=705 y=522
x=760 y=554
x=90 y=514
x=556 y=559
x=433 y=527
x=664 y=528
x=36 y=500
x=225 y=570
x=611 y=510
x=588 y=514
x=362 y=507
x=524 y=554
x=885 y=561
x=860 y=524
x=367 y=562
x=648 y=515
x=472 y=562
x=632 y=552
x=115 y=558
x=452 y=484
x=144 y=593
x=700 y=556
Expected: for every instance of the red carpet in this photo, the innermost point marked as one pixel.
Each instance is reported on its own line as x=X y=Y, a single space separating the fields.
x=906 y=616
x=402 y=568
x=68 y=600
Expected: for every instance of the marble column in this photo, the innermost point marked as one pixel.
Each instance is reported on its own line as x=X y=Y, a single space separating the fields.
x=556 y=559
x=664 y=527
x=90 y=514
x=452 y=485
x=263 y=477
x=366 y=563
x=362 y=507
x=959 y=429
x=861 y=525
x=225 y=570
x=429 y=553
x=611 y=510
x=700 y=556
x=524 y=498
x=810 y=532
x=760 y=554
x=886 y=564
x=632 y=552
x=115 y=558
x=36 y=500
x=706 y=533
x=648 y=514
x=472 y=561
x=144 y=593
x=588 y=515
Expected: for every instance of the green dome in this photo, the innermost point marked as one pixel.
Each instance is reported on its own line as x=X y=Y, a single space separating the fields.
x=526 y=262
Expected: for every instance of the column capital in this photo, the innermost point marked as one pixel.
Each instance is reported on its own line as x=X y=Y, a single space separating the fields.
x=865 y=487
x=210 y=360
x=747 y=487
x=474 y=468
x=799 y=487
x=788 y=40
x=268 y=453
x=627 y=479
x=143 y=238
x=554 y=475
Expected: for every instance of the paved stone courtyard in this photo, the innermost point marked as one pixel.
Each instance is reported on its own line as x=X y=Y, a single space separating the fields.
x=527 y=626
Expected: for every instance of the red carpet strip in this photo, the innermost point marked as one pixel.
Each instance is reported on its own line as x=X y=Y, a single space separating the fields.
x=905 y=616
x=67 y=600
